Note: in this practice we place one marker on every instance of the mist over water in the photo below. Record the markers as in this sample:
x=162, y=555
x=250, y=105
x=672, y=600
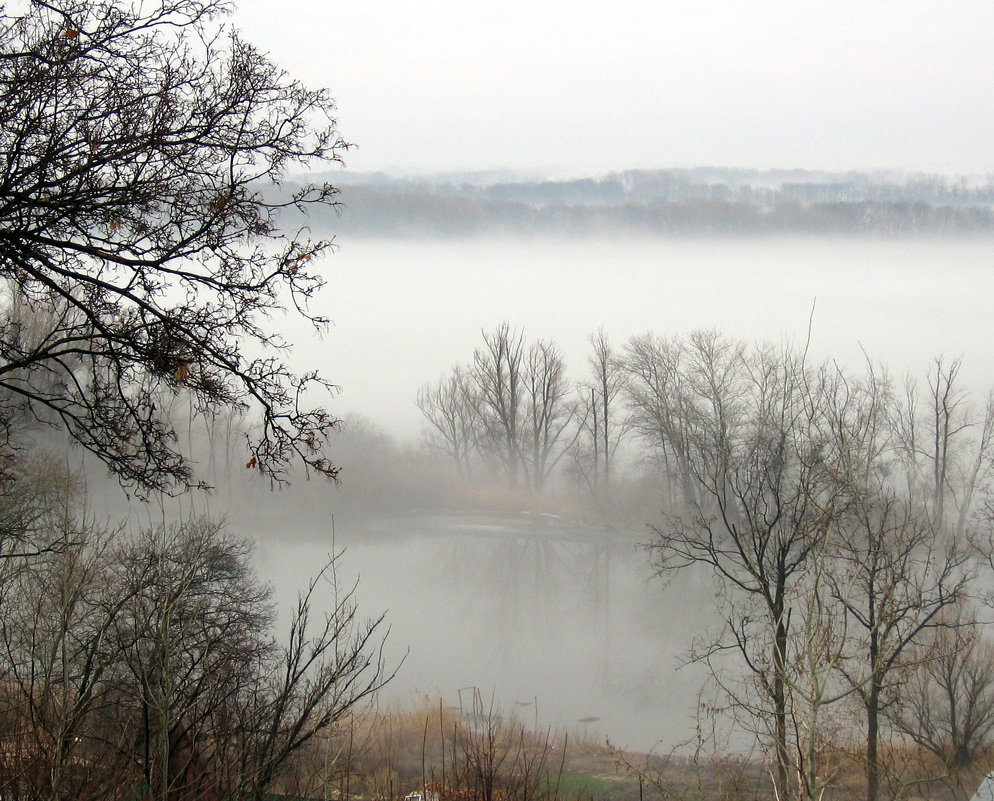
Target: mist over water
x=560, y=622
x=406, y=311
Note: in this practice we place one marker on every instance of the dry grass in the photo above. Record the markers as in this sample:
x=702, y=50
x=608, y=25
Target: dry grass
x=477, y=752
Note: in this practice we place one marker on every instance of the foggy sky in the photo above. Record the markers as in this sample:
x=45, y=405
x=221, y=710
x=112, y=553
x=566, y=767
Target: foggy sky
x=586, y=87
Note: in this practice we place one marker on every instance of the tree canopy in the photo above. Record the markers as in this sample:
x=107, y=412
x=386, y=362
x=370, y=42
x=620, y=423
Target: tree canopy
x=142, y=148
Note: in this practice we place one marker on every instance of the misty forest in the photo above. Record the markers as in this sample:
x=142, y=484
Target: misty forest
x=665, y=484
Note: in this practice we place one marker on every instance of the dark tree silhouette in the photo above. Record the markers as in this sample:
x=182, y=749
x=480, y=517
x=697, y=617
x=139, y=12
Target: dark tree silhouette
x=141, y=152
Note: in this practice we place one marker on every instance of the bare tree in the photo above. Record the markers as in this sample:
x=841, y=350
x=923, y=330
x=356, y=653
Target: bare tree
x=661, y=406
x=522, y=416
x=191, y=640
x=798, y=493
x=217, y=705
x=326, y=670
x=550, y=414
x=141, y=150
x=151, y=661
x=820, y=723
x=946, y=443
x=753, y=513
x=947, y=704
x=498, y=373
x=896, y=568
x=896, y=576
x=55, y=633
x=977, y=467
x=601, y=420
x=451, y=421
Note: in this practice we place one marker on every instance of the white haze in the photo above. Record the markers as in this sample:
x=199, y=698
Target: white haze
x=404, y=312
x=576, y=90
x=584, y=87
x=516, y=608
x=556, y=624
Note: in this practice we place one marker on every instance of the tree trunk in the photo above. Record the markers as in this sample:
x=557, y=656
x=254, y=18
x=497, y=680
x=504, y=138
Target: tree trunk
x=780, y=706
x=872, y=738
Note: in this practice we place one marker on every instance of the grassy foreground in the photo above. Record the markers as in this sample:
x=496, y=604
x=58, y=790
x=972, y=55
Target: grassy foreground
x=475, y=751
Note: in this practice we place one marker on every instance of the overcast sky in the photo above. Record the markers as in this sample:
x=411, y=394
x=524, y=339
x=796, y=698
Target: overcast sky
x=585, y=87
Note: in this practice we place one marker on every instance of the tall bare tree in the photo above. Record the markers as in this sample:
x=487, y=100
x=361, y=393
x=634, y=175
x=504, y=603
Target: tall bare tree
x=947, y=704
x=896, y=575
x=824, y=535
x=601, y=418
x=946, y=443
x=661, y=405
x=896, y=568
x=511, y=407
x=754, y=512
x=151, y=660
x=56, y=631
x=499, y=375
x=549, y=427
x=141, y=152
x=193, y=634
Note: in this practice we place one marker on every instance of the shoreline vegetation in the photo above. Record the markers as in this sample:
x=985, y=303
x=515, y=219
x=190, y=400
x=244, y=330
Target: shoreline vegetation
x=467, y=748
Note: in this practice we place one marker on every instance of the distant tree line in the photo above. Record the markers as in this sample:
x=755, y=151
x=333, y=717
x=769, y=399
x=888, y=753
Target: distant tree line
x=670, y=202
x=760, y=187
x=845, y=519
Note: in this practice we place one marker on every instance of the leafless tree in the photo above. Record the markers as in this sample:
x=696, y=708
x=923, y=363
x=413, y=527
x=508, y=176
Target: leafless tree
x=55, y=633
x=498, y=373
x=661, y=406
x=549, y=429
x=512, y=407
x=191, y=639
x=947, y=704
x=218, y=705
x=820, y=724
x=946, y=444
x=753, y=510
x=141, y=150
x=896, y=575
x=602, y=421
x=797, y=492
x=451, y=422
x=151, y=660
x=897, y=569
x=328, y=668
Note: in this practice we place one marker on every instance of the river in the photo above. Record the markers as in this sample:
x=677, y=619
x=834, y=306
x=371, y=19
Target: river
x=560, y=624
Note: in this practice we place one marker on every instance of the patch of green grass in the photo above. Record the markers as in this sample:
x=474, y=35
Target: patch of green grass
x=579, y=787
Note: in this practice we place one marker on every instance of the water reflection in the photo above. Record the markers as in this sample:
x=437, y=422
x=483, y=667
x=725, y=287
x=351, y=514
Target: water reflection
x=564, y=617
